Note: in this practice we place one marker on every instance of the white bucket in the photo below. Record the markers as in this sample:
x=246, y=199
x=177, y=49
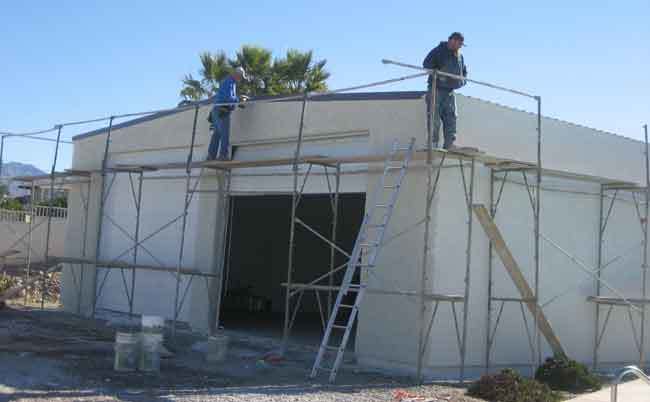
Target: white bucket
x=217, y=348
x=153, y=324
x=126, y=351
x=150, y=352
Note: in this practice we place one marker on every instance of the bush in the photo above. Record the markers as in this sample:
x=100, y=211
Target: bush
x=563, y=374
x=509, y=386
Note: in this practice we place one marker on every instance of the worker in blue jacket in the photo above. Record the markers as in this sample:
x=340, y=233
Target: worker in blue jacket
x=220, y=114
x=445, y=57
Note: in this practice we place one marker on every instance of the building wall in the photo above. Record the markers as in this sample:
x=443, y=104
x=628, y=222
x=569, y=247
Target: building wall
x=336, y=128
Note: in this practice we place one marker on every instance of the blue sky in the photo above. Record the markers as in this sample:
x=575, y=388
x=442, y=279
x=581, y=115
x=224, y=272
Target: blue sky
x=75, y=60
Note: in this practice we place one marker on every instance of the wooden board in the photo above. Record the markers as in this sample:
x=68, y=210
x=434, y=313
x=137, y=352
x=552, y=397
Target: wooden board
x=499, y=244
x=126, y=265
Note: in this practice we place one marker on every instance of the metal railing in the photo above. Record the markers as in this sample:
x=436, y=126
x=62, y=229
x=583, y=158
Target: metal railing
x=7, y=215
x=625, y=372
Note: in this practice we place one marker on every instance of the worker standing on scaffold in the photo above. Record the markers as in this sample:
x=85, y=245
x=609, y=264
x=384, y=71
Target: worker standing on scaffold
x=445, y=57
x=220, y=114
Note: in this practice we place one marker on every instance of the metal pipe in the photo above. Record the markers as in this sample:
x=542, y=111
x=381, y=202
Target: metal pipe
x=637, y=372
x=488, y=341
x=188, y=172
x=335, y=218
x=83, y=244
x=644, y=269
x=537, y=212
x=292, y=226
x=28, y=268
x=432, y=115
x=226, y=205
x=100, y=215
x=599, y=262
x=468, y=262
x=49, y=214
x=136, y=237
x=460, y=77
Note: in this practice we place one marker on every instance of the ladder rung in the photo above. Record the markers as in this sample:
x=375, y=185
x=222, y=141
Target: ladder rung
x=394, y=167
x=376, y=225
x=369, y=245
x=403, y=149
x=395, y=186
x=365, y=265
x=339, y=326
x=381, y=206
x=332, y=348
x=346, y=305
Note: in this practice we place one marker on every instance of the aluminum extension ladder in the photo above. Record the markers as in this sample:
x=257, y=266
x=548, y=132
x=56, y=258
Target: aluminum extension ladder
x=343, y=315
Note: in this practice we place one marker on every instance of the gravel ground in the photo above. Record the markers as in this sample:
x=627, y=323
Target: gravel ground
x=53, y=356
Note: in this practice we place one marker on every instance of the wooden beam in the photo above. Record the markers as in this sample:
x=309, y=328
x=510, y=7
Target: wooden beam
x=126, y=265
x=499, y=244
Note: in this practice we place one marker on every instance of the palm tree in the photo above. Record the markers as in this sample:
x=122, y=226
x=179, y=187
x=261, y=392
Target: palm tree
x=294, y=73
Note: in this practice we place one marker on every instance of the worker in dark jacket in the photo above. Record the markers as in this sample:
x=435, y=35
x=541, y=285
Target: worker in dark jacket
x=445, y=57
x=225, y=101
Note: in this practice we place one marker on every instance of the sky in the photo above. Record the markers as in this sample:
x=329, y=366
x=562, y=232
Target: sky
x=75, y=60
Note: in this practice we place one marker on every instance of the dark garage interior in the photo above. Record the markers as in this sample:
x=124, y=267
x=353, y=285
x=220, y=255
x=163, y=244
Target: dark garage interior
x=257, y=259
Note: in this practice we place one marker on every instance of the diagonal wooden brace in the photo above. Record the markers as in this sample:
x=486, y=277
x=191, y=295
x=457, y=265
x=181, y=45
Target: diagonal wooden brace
x=499, y=244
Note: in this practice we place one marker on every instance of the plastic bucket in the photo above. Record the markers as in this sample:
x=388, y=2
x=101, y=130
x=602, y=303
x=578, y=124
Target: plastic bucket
x=150, y=352
x=153, y=324
x=126, y=351
x=217, y=348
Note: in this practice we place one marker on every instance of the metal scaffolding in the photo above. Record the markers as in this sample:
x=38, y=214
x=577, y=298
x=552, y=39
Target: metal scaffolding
x=612, y=191
x=426, y=299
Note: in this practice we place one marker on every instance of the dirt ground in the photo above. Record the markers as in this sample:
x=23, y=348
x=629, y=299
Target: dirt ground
x=55, y=356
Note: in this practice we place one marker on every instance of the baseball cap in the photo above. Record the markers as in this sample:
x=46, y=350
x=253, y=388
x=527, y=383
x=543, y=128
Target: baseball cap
x=457, y=35
x=242, y=72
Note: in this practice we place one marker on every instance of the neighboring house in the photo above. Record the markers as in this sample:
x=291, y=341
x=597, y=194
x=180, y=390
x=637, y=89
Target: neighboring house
x=362, y=124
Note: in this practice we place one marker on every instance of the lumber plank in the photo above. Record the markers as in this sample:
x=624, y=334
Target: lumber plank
x=509, y=262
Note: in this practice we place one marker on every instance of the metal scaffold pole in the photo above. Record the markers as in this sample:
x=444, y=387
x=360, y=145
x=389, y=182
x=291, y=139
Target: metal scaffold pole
x=488, y=327
x=186, y=202
x=136, y=238
x=468, y=265
x=49, y=214
x=599, y=266
x=28, y=266
x=292, y=227
x=86, y=206
x=225, y=205
x=537, y=211
x=100, y=213
x=335, y=217
x=644, y=268
x=431, y=116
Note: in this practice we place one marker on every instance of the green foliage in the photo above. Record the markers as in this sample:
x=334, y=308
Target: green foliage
x=509, y=386
x=11, y=204
x=6, y=282
x=294, y=73
x=59, y=202
x=563, y=374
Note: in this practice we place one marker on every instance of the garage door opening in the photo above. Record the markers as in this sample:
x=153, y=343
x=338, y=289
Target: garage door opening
x=257, y=260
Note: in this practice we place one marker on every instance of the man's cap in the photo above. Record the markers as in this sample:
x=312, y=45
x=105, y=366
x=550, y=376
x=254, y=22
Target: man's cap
x=457, y=35
x=242, y=72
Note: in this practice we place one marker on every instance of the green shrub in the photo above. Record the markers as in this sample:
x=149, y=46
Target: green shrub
x=563, y=374
x=509, y=386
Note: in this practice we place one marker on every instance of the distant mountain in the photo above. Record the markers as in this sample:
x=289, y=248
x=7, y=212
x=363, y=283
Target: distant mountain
x=12, y=169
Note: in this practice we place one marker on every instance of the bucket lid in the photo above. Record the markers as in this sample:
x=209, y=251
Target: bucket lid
x=126, y=337
x=153, y=321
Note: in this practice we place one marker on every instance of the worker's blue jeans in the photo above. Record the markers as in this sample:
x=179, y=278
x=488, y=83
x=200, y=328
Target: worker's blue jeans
x=220, y=140
x=445, y=113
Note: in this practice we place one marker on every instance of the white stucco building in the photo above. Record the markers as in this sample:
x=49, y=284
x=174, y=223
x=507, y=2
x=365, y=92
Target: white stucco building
x=389, y=325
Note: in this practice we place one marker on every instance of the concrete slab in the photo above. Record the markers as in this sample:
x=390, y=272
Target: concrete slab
x=633, y=391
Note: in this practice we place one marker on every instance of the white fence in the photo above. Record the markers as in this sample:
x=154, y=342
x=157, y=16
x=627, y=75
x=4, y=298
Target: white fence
x=39, y=211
